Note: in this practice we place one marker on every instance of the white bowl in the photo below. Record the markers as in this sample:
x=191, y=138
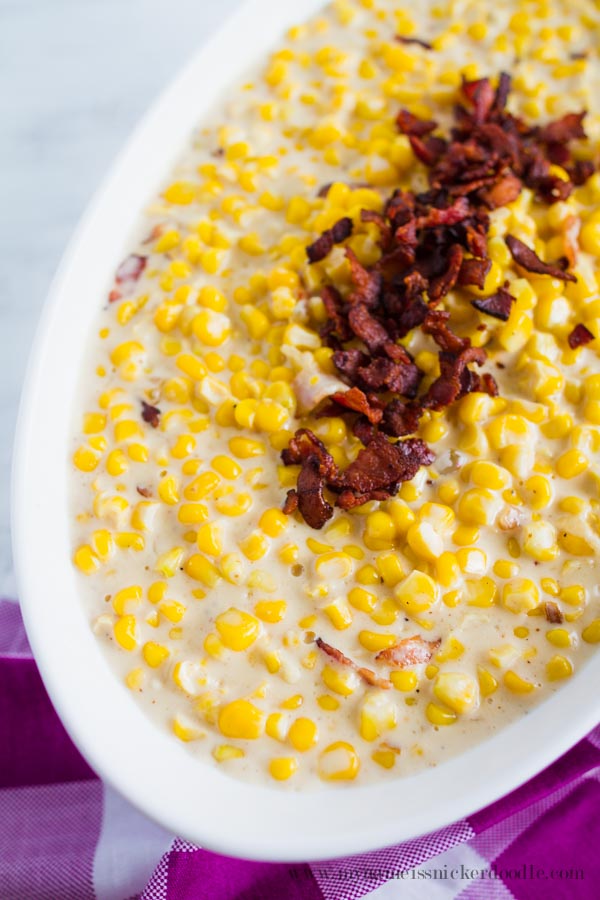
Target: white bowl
x=144, y=763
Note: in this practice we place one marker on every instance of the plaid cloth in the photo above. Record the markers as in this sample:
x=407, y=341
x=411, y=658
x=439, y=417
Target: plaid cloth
x=66, y=836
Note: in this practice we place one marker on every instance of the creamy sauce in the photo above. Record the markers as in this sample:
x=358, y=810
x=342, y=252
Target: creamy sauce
x=226, y=222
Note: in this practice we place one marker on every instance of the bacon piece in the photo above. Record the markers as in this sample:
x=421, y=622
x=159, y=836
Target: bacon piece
x=568, y=128
x=448, y=215
x=579, y=336
x=366, y=674
x=427, y=151
x=412, y=651
x=367, y=284
x=291, y=502
x=552, y=612
x=503, y=192
x=336, y=324
x=150, y=414
x=356, y=400
x=383, y=374
x=454, y=379
x=497, y=305
x=413, y=40
x=320, y=248
x=440, y=286
x=436, y=325
x=381, y=467
x=312, y=505
x=410, y=124
x=399, y=419
x=305, y=444
x=528, y=259
x=481, y=95
x=130, y=269
x=367, y=328
x=474, y=271
x=349, y=361
x=144, y=491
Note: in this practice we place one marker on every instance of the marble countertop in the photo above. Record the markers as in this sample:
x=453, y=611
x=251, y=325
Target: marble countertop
x=75, y=76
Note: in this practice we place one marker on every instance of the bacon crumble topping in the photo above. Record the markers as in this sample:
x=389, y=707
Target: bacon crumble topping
x=431, y=242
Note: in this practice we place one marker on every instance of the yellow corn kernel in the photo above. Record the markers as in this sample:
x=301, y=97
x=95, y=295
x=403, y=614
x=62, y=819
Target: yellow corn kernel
x=379, y=531
x=538, y=491
x=237, y=629
x=270, y=610
x=254, y=546
x=201, y=486
x=465, y=535
x=85, y=459
x=478, y=507
x=516, y=684
x=86, y=560
x=241, y=719
x=574, y=594
x=128, y=540
x=201, y=569
x=192, y=513
x=362, y=599
x=135, y=679
x=339, y=762
x=246, y=448
x=213, y=646
x=488, y=475
x=457, y=690
x=128, y=595
x=333, y=566
x=389, y=566
x=328, y=703
x=273, y=522
x=339, y=614
x=591, y=633
x=447, y=569
x=303, y=734
x=212, y=329
x=283, y=767
x=378, y=714
x=277, y=725
x=404, y=680
x=343, y=682
x=368, y=574
x=209, y=539
x=437, y=715
x=559, y=637
x=541, y=541
x=519, y=595
x=558, y=667
x=225, y=752
x=125, y=631
x=487, y=683
x=416, y=593
x=376, y=641
x=155, y=654
x=571, y=464
x=387, y=613
x=168, y=490
x=424, y=541
x=169, y=562
x=402, y=515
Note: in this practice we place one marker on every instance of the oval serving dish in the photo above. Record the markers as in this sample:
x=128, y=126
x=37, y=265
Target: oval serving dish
x=122, y=744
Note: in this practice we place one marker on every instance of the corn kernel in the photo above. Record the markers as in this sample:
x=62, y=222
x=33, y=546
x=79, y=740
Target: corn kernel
x=339, y=762
x=237, y=629
x=241, y=719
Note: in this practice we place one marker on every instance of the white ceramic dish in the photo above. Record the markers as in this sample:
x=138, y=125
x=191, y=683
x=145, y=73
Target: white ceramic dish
x=147, y=765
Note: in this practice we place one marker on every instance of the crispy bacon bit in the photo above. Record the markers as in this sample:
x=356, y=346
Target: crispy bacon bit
x=291, y=502
x=356, y=400
x=528, y=259
x=319, y=249
x=130, y=269
x=366, y=674
x=430, y=242
x=380, y=468
x=497, y=305
x=313, y=507
x=114, y=295
x=144, y=491
x=552, y=613
x=150, y=414
x=412, y=651
x=579, y=336
x=413, y=40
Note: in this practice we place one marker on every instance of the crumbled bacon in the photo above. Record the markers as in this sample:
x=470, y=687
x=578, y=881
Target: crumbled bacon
x=552, y=612
x=528, y=259
x=319, y=249
x=431, y=242
x=497, y=305
x=144, y=491
x=366, y=674
x=414, y=40
x=150, y=414
x=580, y=335
x=412, y=651
x=130, y=269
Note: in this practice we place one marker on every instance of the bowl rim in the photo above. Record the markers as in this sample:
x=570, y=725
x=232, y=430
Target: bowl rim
x=121, y=743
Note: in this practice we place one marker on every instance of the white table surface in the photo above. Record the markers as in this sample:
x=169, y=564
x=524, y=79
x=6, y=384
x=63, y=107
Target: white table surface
x=75, y=76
